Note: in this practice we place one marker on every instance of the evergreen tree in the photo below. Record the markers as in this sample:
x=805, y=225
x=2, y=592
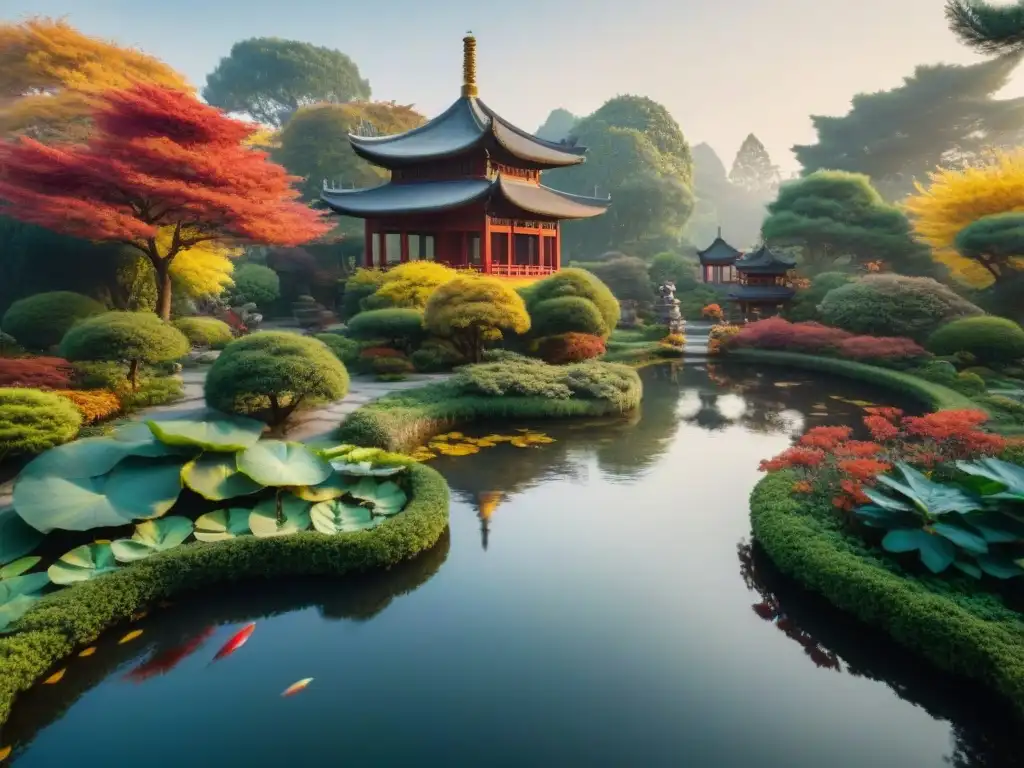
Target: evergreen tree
x=941, y=116
x=753, y=170
x=985, y=27
x=558, y=126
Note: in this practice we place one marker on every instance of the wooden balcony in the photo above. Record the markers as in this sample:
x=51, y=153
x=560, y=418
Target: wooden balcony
x=521, y=270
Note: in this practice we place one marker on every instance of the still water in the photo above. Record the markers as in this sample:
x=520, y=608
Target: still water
x=608, y=611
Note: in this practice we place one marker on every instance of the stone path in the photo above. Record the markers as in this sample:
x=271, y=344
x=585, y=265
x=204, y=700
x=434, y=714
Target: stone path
x=697, y=338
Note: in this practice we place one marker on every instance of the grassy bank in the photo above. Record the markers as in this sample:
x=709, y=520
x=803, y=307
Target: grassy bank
x=73, y=617
x=955, y=625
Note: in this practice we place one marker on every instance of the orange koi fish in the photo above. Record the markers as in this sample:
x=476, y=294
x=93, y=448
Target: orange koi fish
x=294, y=688
x=237, y=641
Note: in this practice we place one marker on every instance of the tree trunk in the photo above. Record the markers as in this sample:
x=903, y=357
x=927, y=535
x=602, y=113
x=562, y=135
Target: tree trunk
x=163, y=288
x=133, y=374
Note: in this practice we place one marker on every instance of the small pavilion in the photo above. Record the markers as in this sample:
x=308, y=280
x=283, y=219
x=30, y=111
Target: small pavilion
x=717, y=262
x=465, y=190
x=764, y=283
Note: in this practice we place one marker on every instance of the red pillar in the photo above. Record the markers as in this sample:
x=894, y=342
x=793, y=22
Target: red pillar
x=368, y=245
x=486, y=245
x=405, y=246
x=463, y=249
x=558, y=247
x=383, y=247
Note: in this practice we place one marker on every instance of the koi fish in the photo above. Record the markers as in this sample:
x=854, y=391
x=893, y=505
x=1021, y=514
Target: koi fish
x=130, y=636
x=5, y=752
x=294, y=688
x=87, y=652
x=237, y=641
x=56, y=677
x=164, y=662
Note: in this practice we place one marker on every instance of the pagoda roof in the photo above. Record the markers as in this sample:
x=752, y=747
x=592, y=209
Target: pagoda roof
x=413, y=198
x=765, y=261
x=466, y=125
x=761, y=293
x=719, y=252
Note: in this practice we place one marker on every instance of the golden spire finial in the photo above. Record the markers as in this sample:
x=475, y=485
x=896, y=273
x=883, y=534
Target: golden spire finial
x=469, y=65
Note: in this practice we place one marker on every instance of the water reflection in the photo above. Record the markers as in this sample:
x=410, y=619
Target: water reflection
x=983, y=733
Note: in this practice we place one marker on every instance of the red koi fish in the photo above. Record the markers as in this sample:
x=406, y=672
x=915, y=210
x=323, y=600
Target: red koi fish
x=164, y=662
x=237, y=641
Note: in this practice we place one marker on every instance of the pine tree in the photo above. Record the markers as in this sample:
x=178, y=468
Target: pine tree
x=985, y=27
x=753, y=170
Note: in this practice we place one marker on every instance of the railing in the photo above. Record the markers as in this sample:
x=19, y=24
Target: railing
x=520, y=270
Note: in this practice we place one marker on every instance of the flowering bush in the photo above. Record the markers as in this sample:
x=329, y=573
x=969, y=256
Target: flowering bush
x=36, y=372
x=675, y=340
x=94, y=405
x=712, y=312
x=373, y=352
x=831, y=464
x=818, y=339
x=881, y=349
x=570, y=348
x=721, y=337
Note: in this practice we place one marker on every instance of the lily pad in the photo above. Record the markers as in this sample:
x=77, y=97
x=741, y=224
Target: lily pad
x=387, y=498
x=94, y=456
x=215, y=477
x=338, y=517
x=333, y=487
x=18, y=595
x=222, y=524
x=82, y=564
x=152, y=536
x=277, y=463
x=225, y=433
x=17, y=537
x=366, y=469
x=263, y=520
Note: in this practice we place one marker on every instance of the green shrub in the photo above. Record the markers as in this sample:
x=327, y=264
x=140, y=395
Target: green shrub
x=361, y=286
x=132, y=337
x=255, y=284
x=969, y=384
x=989, y=339
x=401, y=328
x=804, y=306
x=32, y=421
x=567, y=314
x=9, y=346
x=1003, y=408
x=271, y=373
x=894, y=305
x=437, y=355
x=385, y=366
x=577, y=282
x=205, y=331
x=626, y=277
x=39, y=322
x=344, y=348
x=151, y=391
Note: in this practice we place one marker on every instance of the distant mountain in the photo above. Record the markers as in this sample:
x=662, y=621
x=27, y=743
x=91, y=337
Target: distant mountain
x=558, y=126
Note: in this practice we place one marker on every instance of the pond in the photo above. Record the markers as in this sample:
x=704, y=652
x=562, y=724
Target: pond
x=597, y=602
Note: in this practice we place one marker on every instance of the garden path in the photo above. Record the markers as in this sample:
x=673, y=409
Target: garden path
x=697, y=332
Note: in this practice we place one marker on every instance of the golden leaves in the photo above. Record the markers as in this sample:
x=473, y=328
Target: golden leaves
x=458, y=444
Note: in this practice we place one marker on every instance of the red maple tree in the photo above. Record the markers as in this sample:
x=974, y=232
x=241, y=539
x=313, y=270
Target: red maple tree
x=158, y=160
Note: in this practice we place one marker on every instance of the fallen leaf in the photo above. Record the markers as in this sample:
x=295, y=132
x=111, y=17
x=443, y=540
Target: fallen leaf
x=87, y=652
x=294, y=688
x=56, y=677
x=130, y=636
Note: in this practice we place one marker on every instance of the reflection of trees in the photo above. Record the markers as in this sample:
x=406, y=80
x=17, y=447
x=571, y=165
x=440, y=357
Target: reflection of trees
x=984, y=731
x=173, y=633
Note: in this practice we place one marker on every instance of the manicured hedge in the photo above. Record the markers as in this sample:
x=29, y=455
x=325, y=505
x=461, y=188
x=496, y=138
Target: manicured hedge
x=962, y=630
x=76, y=616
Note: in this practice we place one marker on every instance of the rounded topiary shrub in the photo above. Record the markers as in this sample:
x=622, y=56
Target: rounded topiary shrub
x=344, y=348
x=567, y=314
x=255, y=284
x=399, y=327
x=990, y=339
x=578, y=282
x=570, y=348
x=894, y=305
x=32, y=421
x=269, y=374
x=40, y=322
x=205, y=331
x=130, y=337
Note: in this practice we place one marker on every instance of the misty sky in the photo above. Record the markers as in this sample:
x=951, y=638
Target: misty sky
x=723, y=68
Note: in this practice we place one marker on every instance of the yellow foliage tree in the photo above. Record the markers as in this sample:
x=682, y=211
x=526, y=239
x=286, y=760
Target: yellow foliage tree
x=472, y=309
x=202, y=270
x=410, y=285
x=957, y=198
x=49, y=73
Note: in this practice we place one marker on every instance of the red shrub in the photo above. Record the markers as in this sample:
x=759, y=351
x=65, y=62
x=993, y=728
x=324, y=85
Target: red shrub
x=570, y=348
x=776, y=333
x=880, y=348
x=375, y=352
x=36, y=372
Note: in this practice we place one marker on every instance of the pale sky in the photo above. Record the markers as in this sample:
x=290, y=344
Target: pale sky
x=724, y=68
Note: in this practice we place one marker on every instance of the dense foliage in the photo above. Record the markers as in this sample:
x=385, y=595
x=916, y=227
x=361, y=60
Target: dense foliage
x=991, y=340
x=94, y=404
x=358, y=288
x=39, y=322
x=987, y=27
x=570, y=348
x=409, y=285
x=577, y=282
x=805, y=304
x=402, y=328
x=36, y=372
x=256, y=284
x=32, y=421
x=343, y=348
x=472, y=310
x=627, y=278
x=132, y=337
x=567, y=314
x=205, y=331
x=271, y=373
x=894, y=305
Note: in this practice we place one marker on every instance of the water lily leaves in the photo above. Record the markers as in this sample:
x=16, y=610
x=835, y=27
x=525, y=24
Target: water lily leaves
x=930, y=497
x=17, y=537
x=152, y=536
x=366, y=469
x=333, y=487
x=339, y=517
x=215, y=477
x=83, y=563
x=277, y=463
x=94, y=456
x=937, y=552
x=387, y=498
x=225, y=433
x=222, y=524
x=18, y=595
x=263, y=520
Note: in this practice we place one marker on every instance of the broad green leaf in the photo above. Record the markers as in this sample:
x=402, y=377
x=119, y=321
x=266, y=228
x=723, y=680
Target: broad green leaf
x=888, y=503
x=19, y=567
x=365, y=469
x=144, y=490
x=152, y=536
x=17, y=537
x=15, y=608
x=215, y=477
x=387, y=498
x=937, y=553
x=930, y=497
x=83, y=563
x=338, y=517
x=995, y=527
x=264, y=523
x=225, y=433
x=969, y=568
x=18, y=595
x=903, y=540
x=222, y=524
x=95, y=456
x=333, y=487
x=999, y=567
x=963, y=538
x=1010, y=477
x=878, y=517
x=277, y=463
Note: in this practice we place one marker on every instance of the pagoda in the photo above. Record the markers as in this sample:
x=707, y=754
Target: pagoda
x=717, y=262
x=764, y=283
x=465, y=191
